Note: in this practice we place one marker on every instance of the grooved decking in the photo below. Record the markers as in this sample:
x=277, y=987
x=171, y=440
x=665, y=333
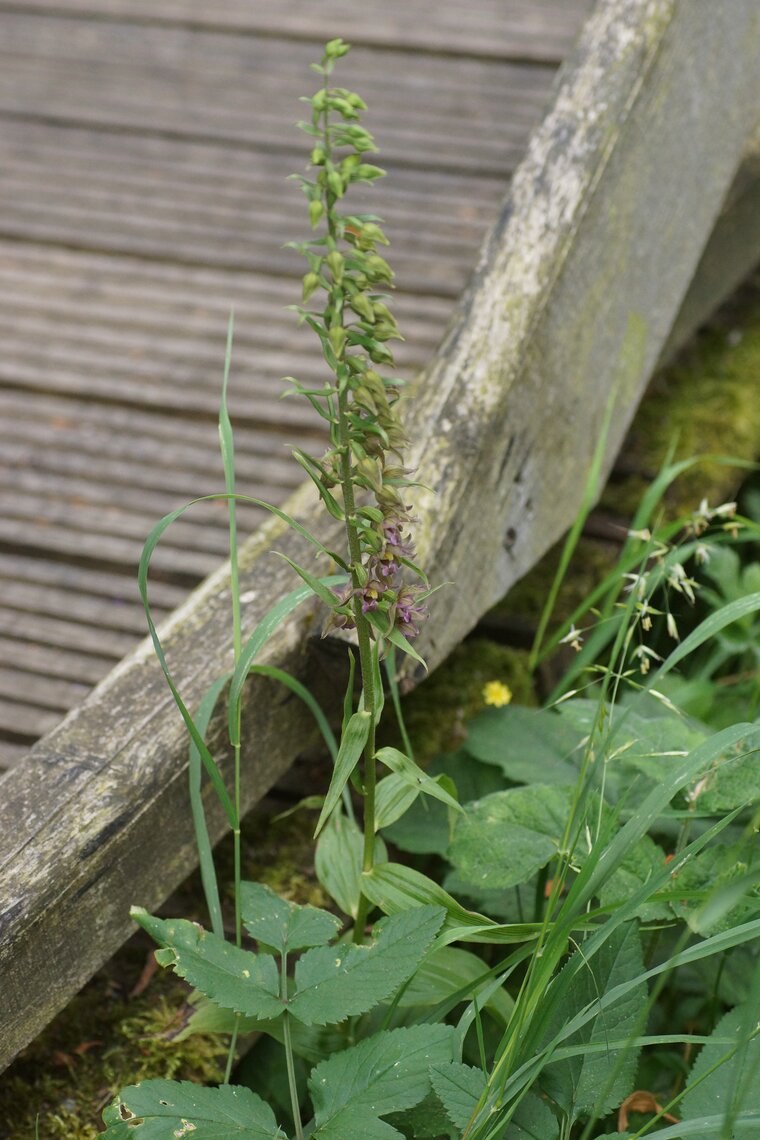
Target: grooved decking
x=144, y=147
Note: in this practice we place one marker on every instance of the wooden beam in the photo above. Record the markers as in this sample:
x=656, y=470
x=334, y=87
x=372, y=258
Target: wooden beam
x=575, y=293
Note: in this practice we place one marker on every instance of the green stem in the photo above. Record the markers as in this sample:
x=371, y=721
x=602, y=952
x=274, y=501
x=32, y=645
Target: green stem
x=288, y=1044
x=355, y=554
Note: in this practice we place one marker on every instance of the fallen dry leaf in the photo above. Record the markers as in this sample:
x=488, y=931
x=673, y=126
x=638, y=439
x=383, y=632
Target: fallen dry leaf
x=641, y=1101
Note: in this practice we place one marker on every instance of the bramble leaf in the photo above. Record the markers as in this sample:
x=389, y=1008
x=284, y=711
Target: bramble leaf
x=597, y=1081
x=284, y=925
x=165, y=1110
x=505, y=838
x=383, y=1074
x=234, y=978
x=335, y=982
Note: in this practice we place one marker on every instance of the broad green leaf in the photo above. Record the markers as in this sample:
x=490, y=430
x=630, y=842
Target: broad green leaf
x=450, y=971
x=735, y=777
x=507, y=837
x=335, y=982
x=237, y=979
x=166, y=1110
x=393, y=796
x=708, y=1093
x=524, y=743
x=597, y=1081
x=338, y=861
x=406, y=768
x=352, y=744
x=284, y=925
x=384, y=1074
x=425, y=1121
x=395, y=887
x=425, y=828
x=725, y=886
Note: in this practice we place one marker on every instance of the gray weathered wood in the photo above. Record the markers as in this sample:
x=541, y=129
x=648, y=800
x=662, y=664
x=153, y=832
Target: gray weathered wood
x=528, y=29
x=575, y=292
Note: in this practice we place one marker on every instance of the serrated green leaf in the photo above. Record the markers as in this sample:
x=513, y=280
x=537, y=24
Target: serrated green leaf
x=166, y=1110
x=352, y=744
x=708, y=1093
x=597, y=1081
x=406, y=768
x=459, y=1088
x=335, y=982
x=505, y=838
x=383, y=1074
x=234, y=978
x=522, y=742
x=282, y=924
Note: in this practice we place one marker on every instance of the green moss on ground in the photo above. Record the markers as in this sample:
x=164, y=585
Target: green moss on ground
x=436, y=712
x=707, y=402
x=102, y=1041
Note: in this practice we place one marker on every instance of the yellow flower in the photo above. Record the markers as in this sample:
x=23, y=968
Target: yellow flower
x=497, y=693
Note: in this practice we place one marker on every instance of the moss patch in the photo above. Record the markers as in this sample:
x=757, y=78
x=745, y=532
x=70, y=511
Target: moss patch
x=437, y=710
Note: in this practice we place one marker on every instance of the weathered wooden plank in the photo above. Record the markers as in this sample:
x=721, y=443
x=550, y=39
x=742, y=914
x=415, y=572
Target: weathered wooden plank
x=732, y=252
x=118, y=588
x=105, y=613
x=11, y=754
x=93, y=548
x=41, y=692
x=180, y=81
x=162, y=197
x=576, y=290
x=25, y=723
x=527, y=29
x=53, y=661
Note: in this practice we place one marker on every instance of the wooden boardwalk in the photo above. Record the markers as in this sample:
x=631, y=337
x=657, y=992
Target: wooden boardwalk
x=144, y=146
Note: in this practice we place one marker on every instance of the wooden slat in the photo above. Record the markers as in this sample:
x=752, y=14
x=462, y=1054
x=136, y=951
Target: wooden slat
x=41, y=692
x=11, y=754
x=163, y=198
x=30, y=656
x=527, y=29
x=118, y=588
x=201, y=85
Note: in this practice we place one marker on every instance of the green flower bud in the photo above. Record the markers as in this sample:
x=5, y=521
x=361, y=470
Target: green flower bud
x=317, y=156
x=336, y=263
x=310, y=283
x=318, y=100
x=372, y=232
x=386, y=330
x=379, y=354
x=357, y=101
x=316, y=211
x=377, y=268
x=369, y=470
x=367, y=172
x=336, y=184
x=337, y=335
x=343, y=107
x=334, y=49
x=362, y=306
